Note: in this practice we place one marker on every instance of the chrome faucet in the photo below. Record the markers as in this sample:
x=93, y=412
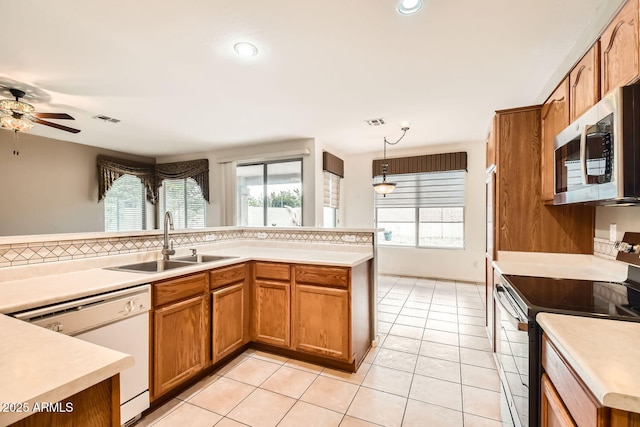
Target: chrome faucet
x=168, y=225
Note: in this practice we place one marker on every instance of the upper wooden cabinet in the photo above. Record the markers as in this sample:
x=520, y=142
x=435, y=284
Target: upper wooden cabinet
x=585, y=83
x=555, y=117
x=620, y=49
x=523, y=222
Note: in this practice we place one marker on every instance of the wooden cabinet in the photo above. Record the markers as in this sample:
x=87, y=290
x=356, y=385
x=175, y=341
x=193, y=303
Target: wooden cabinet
x=555, y=117
x=272, y=307
x=229, y=310
x=567, y=401
x=584, y=80
x=553, y=412
x=321, y=314
x=522, y=221
x=180, y=331
x=620, y=49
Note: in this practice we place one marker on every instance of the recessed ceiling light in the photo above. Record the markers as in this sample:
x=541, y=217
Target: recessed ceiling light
x=245, y=49
x=409, y=7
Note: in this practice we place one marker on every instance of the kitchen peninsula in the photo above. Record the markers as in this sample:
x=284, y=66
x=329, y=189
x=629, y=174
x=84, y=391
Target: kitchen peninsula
x=275, y=292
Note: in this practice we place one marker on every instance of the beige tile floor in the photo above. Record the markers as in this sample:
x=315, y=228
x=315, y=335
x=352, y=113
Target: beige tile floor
x=433, y=367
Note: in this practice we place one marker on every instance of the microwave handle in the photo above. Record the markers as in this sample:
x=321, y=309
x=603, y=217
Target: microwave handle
x=502, y=299
x=583, y=154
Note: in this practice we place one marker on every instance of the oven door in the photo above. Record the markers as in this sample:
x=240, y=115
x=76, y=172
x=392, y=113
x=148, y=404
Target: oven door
x=512, y=351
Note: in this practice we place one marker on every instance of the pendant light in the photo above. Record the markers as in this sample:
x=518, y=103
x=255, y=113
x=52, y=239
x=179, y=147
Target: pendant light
x=385, y=187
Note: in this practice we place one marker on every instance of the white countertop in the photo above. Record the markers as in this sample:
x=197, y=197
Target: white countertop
x=22, y=294
x=606, y=357
x=38, y=365
x=565, y=266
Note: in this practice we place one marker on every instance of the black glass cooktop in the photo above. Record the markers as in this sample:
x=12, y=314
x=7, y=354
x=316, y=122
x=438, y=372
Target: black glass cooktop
x=606, y=299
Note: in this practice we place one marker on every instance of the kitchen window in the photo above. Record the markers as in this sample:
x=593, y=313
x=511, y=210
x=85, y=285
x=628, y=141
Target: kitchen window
x=184, y=199
x=124, y=205
x=331, y=199
x=426, y=210
x=270, y=194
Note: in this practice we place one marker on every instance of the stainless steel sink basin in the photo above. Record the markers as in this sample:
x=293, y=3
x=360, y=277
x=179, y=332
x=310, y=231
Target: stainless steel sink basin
x=153, y=266
x=203, y=258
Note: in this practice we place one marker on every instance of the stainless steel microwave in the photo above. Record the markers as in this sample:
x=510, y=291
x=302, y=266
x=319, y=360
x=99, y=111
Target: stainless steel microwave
x=597, y=157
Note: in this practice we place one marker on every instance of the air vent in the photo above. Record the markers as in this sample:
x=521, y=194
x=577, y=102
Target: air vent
x=375, y=122
x=107, y=119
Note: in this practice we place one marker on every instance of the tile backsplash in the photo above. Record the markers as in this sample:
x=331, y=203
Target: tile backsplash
x=603, y=248
x=61, y=249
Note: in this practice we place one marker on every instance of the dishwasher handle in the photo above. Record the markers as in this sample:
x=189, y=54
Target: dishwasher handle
x=503, y=299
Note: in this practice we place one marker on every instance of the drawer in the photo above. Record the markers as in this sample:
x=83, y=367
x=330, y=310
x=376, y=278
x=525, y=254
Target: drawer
x=270, y=270
x=179, y=289
x=581, y=404
x=227, y=275
x=318, y=275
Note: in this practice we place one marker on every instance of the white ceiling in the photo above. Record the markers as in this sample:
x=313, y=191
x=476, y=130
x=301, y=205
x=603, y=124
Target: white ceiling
x=167, y=69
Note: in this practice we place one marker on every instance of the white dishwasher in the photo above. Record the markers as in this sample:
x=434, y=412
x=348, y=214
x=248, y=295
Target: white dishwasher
x=117, y=320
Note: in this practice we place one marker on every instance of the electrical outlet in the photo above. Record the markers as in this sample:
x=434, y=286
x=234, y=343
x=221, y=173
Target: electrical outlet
x=262, y=235
x=612, y=232
x=210, y=237
x=349, y=238
x=475, y=264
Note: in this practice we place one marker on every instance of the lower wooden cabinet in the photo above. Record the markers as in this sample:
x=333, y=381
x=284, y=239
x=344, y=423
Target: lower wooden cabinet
x=180, y=333
x=553, y=412
x=179, y=343
x=228, y=320
x=272, y=311
x=321, y=321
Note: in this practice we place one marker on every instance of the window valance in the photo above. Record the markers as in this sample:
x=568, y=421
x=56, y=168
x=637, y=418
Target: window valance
x=196, y=169
x=420, y=164
x=111, y=168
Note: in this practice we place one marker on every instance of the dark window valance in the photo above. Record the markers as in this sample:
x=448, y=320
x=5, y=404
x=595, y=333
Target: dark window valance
x=196, y=169
x=427, y=163
x=333, y=164
x=111, y=168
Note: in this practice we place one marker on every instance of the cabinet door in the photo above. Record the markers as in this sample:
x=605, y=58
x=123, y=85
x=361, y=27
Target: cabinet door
x=555, y=117
x=179, y=343
x=585, y=83
x=553, y=413
x=619, y=49
x=228, y=320
x=321, y=321
x=272, y=312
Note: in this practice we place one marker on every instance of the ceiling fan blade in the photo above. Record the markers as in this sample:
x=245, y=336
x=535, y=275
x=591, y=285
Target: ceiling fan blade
x=55, y=125
x=58, y=116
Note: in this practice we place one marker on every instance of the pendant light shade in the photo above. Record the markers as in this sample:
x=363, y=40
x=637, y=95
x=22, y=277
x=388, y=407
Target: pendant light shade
x=385, y=187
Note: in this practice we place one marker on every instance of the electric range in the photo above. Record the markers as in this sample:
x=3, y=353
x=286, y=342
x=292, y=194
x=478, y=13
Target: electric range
x=518, y=336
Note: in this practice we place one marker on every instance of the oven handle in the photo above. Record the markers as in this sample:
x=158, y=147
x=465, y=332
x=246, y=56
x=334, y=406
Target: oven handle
x=507, y=306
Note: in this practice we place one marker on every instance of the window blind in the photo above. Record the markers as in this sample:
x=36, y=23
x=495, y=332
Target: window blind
x=183, y=198
x=124, y=205
x=423, y=190
x=331, y=193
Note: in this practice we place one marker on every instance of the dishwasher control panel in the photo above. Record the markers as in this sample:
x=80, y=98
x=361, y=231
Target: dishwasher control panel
x=82, y=315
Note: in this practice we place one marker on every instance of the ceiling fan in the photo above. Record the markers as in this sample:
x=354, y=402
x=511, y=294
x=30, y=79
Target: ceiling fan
x=19, y=116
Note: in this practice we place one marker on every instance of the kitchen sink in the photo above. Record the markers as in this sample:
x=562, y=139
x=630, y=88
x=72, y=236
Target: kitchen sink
x=161, y=265
x=202, y=258
x=153, y=266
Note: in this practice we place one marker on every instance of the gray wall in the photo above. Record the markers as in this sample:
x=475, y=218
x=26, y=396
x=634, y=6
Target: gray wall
x=51, y=187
